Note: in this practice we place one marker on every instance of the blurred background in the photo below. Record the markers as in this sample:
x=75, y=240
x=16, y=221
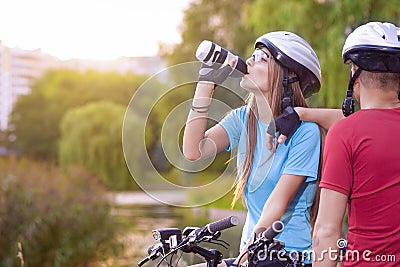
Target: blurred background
x=68, y=70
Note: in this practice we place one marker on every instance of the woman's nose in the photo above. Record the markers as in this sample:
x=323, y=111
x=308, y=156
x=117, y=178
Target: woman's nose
x=250, y=61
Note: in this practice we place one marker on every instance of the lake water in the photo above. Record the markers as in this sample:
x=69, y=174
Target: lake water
x=141, y=218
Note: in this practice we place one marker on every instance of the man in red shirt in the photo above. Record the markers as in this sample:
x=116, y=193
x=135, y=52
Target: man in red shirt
x=361, y=164
x=361, y=167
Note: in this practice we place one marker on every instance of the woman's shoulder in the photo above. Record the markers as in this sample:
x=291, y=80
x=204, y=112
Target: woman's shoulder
x=234, y=116
x=239, y=112
x=241, y=109
x=307, y=130
x=308, y=126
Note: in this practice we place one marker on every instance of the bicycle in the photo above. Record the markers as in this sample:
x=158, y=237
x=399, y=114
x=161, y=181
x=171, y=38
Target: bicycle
x=172, y=240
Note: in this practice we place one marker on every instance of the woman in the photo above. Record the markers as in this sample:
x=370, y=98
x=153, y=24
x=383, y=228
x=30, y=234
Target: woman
x=282, y=71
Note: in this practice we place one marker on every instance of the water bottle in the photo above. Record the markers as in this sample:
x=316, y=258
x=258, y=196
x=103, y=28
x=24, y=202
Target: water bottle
x=210, y=53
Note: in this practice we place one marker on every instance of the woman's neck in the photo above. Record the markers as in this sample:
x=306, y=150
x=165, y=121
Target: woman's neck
x=263, y=108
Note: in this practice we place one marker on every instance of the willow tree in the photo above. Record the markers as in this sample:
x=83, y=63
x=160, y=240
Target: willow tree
x=91, y=136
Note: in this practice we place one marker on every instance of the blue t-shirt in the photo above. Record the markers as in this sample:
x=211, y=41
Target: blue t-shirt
x=300, y=156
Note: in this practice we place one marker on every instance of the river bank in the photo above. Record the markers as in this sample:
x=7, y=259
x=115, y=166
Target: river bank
x=142, y=198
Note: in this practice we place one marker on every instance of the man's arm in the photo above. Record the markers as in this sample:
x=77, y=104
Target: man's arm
x=323, y=117
x=328, y=227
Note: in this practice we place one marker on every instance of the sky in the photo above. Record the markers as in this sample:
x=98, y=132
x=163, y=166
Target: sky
x=91, y=29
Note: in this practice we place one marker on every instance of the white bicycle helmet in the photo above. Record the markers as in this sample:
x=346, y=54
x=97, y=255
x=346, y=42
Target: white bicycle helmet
x=374, y=46
x=294, y=53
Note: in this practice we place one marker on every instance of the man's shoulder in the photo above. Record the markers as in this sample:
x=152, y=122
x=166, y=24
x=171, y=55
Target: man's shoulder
x=347, y=123
x=344, y=130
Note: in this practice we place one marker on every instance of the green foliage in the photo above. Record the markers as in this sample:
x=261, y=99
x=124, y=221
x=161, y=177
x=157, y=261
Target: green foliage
x=50, y=212
x=35, y=127
x=91, y=137
x=36, y=117
x=325, y=25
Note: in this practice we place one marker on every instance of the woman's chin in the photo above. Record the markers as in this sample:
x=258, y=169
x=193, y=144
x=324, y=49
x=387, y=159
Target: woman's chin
x=246, y=84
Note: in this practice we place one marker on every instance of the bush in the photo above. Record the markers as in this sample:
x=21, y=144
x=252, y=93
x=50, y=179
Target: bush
x=61, y=217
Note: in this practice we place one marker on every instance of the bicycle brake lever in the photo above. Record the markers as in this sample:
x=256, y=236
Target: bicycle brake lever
x=219, y=243
x=222, y=241
x=216, y=235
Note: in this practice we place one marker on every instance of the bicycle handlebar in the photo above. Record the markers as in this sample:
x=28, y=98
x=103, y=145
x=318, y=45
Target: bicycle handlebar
x=276, y=228
x=211, y=228
x=222, y=224
x=153, y=251
x=173, y=240
x=188, y=244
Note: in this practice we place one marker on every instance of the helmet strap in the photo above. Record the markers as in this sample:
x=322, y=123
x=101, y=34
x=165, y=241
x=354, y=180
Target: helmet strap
x=287, y=89
x=348, y=102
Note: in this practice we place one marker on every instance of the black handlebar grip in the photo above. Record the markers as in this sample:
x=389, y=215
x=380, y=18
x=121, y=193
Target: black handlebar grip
x=222, y=224
x=273, y=230
x=143, y=261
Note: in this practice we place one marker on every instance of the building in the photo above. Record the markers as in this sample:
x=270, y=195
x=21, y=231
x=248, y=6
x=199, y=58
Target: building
x=19, y=68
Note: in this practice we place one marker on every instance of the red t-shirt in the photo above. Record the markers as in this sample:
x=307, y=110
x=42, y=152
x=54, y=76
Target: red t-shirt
x=362, y=161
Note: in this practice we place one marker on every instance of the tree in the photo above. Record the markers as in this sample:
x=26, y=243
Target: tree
x=35, y=126
x=91, y=137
